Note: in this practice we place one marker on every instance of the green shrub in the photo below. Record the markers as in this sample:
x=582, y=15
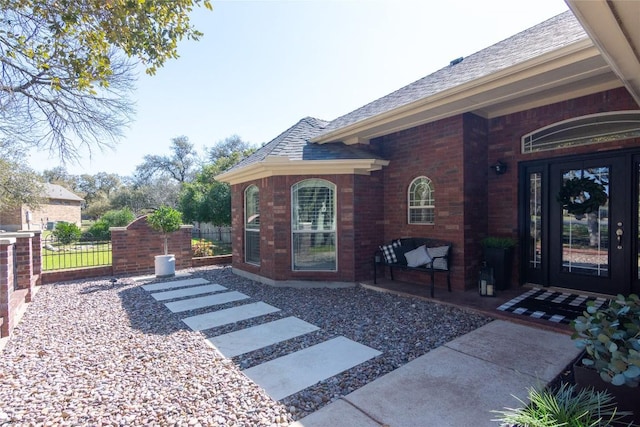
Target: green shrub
x=565, y=406
x=202, y=248
x=67, y=233
x=118, y=218
x=611, y=337
x=115, y=218
x=99, y=231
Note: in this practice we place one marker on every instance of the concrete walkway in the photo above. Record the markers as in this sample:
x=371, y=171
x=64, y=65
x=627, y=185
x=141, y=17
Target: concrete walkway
x=280, y=377
x=457, y=384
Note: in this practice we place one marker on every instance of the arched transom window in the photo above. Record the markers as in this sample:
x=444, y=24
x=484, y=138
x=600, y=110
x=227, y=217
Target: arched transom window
x=313, y=225
x=421, y=201
x=252, y=225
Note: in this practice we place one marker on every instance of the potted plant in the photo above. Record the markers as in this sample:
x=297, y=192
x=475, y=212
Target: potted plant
x=610, y=337
x=166, y=220
x=498, y=254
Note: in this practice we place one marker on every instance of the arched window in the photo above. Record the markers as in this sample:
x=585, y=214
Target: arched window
x=421, y=201
x=313, y=225
x=252, y=225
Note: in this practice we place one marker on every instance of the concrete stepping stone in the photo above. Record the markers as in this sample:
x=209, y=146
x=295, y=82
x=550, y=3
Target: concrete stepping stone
x=228, y=315
x=175, y=284
x=255, y=337
x=187, y=292
x=206, y=301
x=294, y=372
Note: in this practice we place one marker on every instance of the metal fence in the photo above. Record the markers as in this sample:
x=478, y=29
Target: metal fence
x=83, y=253
x=211, y=241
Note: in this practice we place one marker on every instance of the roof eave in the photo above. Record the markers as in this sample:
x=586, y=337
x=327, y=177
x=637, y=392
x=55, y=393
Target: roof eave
x=511, y=87
x=283, y=166
x=614, y=27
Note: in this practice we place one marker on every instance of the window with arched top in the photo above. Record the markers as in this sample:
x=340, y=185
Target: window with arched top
x=252, y=225
x=313, y=225
x=421, y=201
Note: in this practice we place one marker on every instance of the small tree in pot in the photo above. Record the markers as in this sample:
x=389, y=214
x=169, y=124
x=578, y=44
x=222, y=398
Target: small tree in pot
x=166, y=220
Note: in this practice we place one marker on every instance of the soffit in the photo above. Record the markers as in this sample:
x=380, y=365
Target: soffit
x=283, y=166
x=614, y=27
x=569, y=72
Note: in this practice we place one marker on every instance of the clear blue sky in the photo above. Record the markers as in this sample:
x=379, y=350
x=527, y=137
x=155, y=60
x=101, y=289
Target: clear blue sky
x=263, y=65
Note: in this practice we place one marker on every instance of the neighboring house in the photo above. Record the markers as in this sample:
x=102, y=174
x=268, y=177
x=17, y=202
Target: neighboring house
x=558, y=105
x=59, y=204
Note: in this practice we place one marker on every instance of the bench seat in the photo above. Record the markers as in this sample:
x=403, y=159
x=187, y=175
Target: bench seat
x=439, y=251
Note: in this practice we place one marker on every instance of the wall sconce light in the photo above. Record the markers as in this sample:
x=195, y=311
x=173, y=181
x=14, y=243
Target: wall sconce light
x=500, y=167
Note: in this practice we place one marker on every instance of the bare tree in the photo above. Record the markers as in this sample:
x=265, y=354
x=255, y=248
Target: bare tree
x=178, y=166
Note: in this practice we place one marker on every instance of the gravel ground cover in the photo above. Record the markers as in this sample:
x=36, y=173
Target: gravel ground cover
x=102, y=354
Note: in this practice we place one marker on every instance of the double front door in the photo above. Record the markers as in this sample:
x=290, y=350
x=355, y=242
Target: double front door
x=581, y=217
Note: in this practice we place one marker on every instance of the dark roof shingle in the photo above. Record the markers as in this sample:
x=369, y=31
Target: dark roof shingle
x=557, y=32
x=294, y=144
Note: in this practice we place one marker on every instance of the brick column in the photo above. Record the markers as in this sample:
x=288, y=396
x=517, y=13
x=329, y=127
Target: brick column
x=7, y=246
x=25, y=259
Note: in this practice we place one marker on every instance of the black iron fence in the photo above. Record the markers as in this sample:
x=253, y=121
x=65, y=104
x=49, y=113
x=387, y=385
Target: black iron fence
x=83, y=253
x=211, y=241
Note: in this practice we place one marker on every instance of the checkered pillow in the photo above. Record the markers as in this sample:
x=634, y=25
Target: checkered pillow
x=389, y=253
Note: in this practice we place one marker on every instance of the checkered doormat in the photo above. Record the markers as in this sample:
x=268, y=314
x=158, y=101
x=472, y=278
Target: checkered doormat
x=556, y=307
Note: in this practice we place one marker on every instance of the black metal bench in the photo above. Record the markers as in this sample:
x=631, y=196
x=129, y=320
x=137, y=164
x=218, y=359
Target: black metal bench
x=440, y=255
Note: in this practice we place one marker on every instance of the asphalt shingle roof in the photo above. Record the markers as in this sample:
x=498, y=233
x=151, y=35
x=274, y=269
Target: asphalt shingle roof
x=294, y=144
x=557, y=32
x=54, y=191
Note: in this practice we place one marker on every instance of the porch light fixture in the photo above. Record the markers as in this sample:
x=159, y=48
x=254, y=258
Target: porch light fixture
x=499, y=167
x=486, y=282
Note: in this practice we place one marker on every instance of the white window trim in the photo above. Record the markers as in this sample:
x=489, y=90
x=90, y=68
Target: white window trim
x=248, y=229
x=333, y=229
x=410, y=208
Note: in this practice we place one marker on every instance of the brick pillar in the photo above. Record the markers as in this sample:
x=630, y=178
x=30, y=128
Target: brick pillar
x=25, y=259
x=7, y=246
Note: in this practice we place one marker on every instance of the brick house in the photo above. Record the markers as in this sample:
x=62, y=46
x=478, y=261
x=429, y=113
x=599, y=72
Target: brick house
x=557, y=105
x=59, y=204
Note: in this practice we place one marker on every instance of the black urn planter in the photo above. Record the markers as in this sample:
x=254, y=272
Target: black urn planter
x=626, y=398
x=501, y=260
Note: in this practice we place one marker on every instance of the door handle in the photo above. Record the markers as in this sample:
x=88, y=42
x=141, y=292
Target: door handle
x=619, y=233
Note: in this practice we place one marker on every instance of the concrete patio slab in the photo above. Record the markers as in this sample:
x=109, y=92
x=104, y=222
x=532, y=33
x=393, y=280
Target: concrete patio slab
x=174, y=284
x=289, y=374
x=459, y=383
x=228, y=315
x=206, y=301
x=339, y=414
x=255, y=337
x=443, y=387
x=535, y=352
x=187, y=292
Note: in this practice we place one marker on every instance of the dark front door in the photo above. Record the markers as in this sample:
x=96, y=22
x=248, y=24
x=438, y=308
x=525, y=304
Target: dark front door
x=582, y=217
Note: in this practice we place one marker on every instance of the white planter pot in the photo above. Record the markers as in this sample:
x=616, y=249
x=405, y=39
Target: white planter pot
x=165, y=265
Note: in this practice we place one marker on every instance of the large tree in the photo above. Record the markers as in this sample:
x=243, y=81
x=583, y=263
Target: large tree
x=178, y=166
x=18, y=183
x=208, y=200
x=64, y=65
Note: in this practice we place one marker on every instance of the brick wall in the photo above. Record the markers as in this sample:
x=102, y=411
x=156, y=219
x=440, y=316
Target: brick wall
x=136, y=245
x=19, y=252
x=354, y=238
x=7, y=247
x=435, y=150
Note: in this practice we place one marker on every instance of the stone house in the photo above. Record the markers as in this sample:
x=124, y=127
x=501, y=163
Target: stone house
x=59, y=204
x=536, y=138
